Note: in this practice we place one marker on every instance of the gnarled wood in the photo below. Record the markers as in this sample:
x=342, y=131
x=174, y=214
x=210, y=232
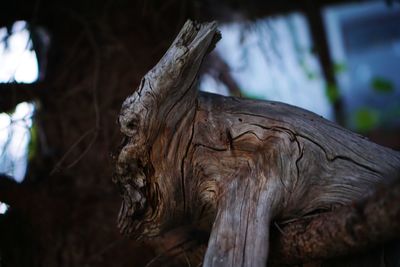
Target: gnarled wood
x=349, y=229
x=232, y=163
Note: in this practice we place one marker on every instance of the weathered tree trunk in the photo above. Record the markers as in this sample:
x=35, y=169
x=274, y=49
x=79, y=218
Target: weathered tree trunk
x=237, y=164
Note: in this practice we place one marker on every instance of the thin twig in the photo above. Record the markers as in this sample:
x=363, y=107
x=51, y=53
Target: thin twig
x=279, y=228
x=105, y=249
x=80, y=139
x=96, y=71
x=179, y=245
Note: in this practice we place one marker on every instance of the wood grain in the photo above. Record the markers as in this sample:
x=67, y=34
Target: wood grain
x=234, y=164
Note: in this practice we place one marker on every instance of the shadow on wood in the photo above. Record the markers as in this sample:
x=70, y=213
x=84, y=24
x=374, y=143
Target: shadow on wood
x=232, y=165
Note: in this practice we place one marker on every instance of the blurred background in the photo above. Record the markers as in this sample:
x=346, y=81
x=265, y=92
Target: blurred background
x=66, y=67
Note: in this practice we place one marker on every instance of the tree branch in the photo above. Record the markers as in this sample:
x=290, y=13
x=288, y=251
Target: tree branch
x=14, y=93
x=220, y=70
x=246, y=161
x=318, y=33
x=345, y=231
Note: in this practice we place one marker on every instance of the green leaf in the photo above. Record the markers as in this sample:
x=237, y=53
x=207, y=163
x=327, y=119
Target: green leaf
x=332, y=92
x=339, y=68
x=311, y=75
x=33, y=142
x=247, y=94
x=382, y=85
x=366, y=119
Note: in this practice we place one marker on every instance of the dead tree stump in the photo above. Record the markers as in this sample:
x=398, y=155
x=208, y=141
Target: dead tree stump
x=236, y=164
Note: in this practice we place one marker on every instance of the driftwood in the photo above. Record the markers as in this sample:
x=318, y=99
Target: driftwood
x=233, y=164
x=350, y=229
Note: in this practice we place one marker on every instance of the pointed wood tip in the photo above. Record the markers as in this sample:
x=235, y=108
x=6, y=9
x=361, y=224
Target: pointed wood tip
x=195, y=35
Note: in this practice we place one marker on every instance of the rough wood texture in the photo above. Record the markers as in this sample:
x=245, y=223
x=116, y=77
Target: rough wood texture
x=232, y=164
x=350, y=229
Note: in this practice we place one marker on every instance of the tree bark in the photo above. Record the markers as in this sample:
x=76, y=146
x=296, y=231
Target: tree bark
x=242, y=218
x=350, y=229
x=235, y=163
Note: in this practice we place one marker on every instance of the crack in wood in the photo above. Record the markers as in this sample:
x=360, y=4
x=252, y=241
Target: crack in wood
x=235, y=163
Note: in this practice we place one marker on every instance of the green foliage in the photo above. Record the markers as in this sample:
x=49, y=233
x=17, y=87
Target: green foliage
x=332, y=92
x=366, y=119
x=247, y=94
x=33, y=142
x=382, y=85
x=339, y=68
x=310, y=74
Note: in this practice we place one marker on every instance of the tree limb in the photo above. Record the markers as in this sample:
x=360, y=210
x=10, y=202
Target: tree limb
x=240, y=218
x=190, y=156
x=348, y=230
x=220, y=70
